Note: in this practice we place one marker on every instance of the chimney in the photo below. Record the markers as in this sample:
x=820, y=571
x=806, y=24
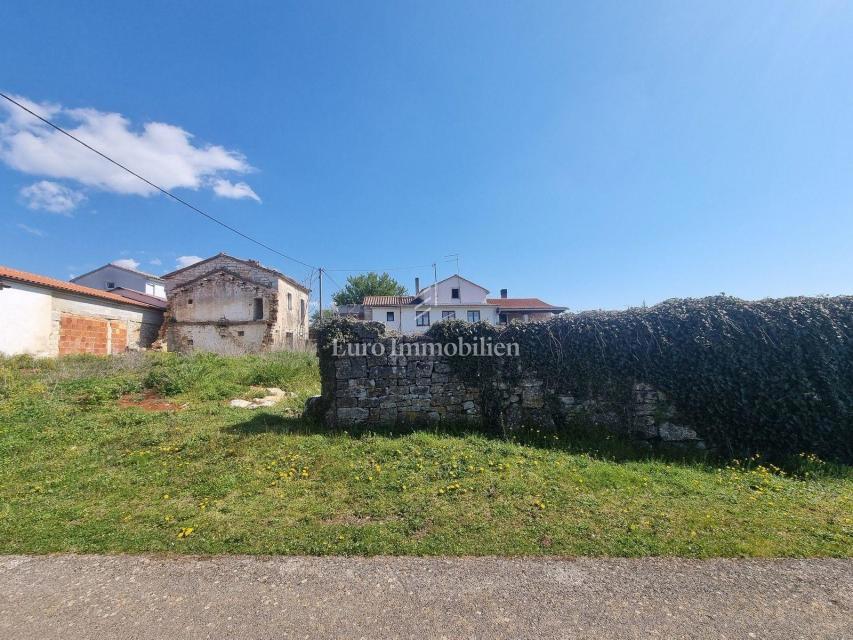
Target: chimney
x=417, y=285
x=503, y=293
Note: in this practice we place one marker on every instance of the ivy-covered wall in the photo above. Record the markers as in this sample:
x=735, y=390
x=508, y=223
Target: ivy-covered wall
x=772, y=376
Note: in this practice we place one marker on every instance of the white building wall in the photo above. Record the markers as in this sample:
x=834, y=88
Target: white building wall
x=469, y=293
x=292, y=312
x=25, y=320
x=30, y=318
x=121, y=278
x=405, y=317
x=224, y=340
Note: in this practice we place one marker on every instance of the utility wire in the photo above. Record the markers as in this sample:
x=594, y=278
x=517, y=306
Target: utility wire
x=334, y=282
x=199, y=211
x=417, y=266
x=158, y=187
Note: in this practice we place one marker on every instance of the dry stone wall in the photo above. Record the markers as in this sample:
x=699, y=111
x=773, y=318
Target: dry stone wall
x=374, y=379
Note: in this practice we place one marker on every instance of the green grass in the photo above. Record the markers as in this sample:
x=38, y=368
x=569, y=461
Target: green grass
x=80, y=473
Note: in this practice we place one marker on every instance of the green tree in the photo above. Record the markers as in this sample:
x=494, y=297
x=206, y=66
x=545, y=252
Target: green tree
x=315, y=317
x=368, y=284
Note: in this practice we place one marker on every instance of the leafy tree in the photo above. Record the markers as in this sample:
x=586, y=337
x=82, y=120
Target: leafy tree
x=327, y=313
x=368, y=284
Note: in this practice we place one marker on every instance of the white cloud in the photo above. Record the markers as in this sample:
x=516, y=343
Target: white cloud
x=31, y=230
x=185, y=261
x=227, y=189
x=51, y=196
x=163, y=153
x=155, y=261
x=127, y=263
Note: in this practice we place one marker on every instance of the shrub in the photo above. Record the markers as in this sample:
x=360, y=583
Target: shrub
x=282, y=369
x=204, y=374
x=771, y=376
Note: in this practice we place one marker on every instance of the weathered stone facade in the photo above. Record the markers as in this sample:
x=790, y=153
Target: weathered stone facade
x=383, y=385
x=231, y=306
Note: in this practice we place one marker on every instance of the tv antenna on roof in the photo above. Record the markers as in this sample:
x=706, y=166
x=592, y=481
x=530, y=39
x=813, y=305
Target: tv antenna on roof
x=456, y=257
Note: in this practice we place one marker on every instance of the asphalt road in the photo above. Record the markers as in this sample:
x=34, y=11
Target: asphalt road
x=72, y=597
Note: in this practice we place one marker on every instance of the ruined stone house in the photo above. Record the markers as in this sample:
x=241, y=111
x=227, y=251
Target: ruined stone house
x=231, y=306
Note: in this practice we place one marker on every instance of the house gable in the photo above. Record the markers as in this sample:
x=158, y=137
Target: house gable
x=248, y=268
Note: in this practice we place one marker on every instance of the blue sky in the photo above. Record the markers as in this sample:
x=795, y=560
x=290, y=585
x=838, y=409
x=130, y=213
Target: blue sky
x=596, y=155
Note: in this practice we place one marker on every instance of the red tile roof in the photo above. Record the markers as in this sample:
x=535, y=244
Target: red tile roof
x=523, y=304
x=61, y=285
x=387, y=301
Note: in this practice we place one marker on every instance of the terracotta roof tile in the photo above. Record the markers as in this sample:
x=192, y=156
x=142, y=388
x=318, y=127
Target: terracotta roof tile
x=387, y=301
x=533, y=304
x=61, y=285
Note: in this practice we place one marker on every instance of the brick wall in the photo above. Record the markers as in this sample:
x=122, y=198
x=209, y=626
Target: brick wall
x=79, y=334
x=118, y=331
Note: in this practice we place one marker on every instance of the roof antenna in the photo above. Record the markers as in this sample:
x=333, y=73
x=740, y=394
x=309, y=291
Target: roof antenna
x=454, y=255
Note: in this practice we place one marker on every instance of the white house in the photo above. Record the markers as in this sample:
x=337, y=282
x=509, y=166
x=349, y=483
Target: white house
x=453, y=298
x=43, y=316
x=112, y=276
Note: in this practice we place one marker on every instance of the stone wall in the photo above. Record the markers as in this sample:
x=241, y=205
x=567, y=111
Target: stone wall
x=212, y=308
x=389, y=382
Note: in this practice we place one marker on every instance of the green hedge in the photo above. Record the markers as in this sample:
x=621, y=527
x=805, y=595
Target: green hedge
x=773, y=376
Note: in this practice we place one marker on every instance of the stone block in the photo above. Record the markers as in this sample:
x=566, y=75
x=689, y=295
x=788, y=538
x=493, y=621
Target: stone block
x=352, y=415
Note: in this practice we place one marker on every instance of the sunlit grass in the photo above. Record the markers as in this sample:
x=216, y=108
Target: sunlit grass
x=79, y=473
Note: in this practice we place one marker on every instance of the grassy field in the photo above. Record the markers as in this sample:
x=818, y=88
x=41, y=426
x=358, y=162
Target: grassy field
x=141, y=453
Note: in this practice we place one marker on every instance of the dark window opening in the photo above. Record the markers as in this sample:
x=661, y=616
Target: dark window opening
x=290, y=302
x=502, y=318
x=422, y=319
x=448, y=315
x=111, y=285
x=259, y=309
x=301, y=309
x=473, y=316
x=454, y=293
x=190, y=301
x=389, y=316
x=241, y=333
x=190, y=341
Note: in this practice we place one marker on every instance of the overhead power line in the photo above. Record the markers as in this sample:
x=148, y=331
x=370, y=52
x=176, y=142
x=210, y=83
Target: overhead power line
x=180, y=200
x=417, y=266
x=334, y=282
x=156, y=186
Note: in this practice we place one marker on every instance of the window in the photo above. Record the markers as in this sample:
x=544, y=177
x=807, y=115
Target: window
x=454, y=293
x=190, y=342
x=473, y=316
x=259, y=309
x=149, y=289
x=289, y=302
x=111, y=285
x=448, y=315
x=389, y=316
x=502, y=318
x=189, y=300
x=301, y=309
x=241, y=333
x=422, y=319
